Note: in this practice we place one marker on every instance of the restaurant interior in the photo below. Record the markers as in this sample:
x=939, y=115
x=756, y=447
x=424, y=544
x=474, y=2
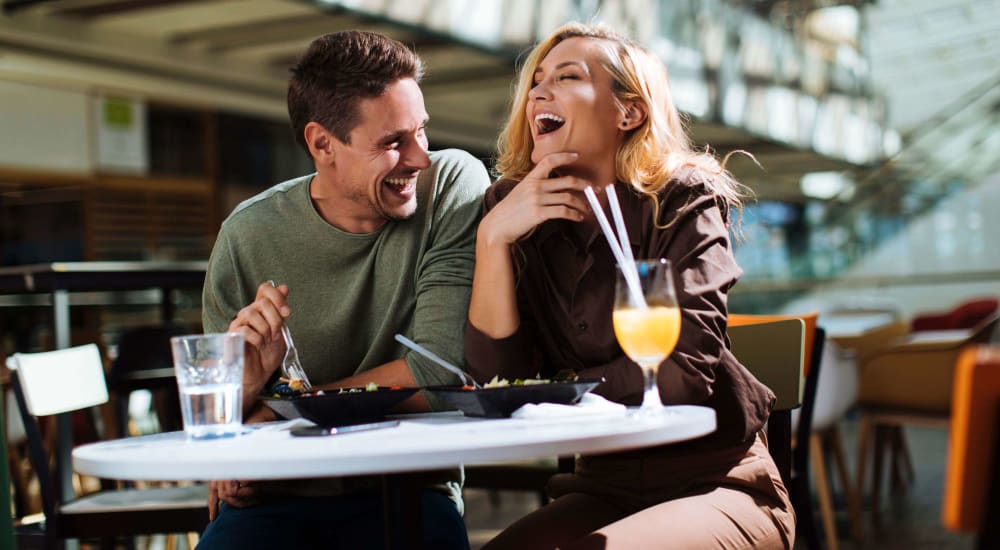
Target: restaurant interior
x=129, y=129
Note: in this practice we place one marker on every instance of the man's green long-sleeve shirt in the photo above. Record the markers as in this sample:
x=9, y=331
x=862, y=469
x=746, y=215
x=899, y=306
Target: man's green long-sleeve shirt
x=351, y=293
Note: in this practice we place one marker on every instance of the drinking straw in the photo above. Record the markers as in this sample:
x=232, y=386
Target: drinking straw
x=616, y=213
x=628, y=268
x=626, y=245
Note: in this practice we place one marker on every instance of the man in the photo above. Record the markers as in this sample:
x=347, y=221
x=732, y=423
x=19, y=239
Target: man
x=378, y=241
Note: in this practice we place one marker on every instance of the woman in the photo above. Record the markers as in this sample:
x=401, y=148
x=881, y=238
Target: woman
x=593, y=108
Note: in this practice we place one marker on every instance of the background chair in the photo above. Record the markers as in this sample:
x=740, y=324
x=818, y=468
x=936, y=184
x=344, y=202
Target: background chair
x=967, y=314
x=774, y=352
x=906, y=383
x=836, y=394
x=16, y=455
x=972, y=478
x=6, y=526
x=144, y=362
x=857, y=349
x=73, y=379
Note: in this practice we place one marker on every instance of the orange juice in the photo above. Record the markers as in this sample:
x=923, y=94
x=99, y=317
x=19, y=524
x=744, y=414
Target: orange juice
x=648, y=335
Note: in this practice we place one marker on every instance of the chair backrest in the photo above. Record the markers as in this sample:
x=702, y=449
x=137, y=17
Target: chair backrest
x=142, y=350
x=968, y=314
x=972, y=482
x=773, y=351
x=55, y=382
x=982, y=332
x=810, y=319
x=146, y=347
x=61, y=381
x=971, y=313
x=837, y=387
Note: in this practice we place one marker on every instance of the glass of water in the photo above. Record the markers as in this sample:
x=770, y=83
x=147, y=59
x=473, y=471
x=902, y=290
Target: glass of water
x=209, y=370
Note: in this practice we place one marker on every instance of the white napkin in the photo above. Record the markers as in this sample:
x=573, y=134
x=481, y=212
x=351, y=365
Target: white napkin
x=590, y=404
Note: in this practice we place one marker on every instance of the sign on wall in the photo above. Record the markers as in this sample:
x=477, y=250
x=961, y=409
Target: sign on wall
x=121, y=134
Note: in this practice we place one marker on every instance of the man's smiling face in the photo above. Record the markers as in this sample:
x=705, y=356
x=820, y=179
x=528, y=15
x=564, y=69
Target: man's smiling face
x=376, y=172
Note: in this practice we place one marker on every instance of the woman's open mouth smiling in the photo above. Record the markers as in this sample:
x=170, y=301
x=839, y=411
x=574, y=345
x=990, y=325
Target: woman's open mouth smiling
x=546, y=123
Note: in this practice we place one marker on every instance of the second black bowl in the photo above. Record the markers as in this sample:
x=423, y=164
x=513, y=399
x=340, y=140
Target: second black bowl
x=500, y=402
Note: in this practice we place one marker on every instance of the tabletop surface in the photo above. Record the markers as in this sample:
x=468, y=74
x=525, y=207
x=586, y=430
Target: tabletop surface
x=420, y=442
x=105, y=267
x=854, y=324
x=100, y=275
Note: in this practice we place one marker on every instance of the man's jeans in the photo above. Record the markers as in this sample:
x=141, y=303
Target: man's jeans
x=346, y=522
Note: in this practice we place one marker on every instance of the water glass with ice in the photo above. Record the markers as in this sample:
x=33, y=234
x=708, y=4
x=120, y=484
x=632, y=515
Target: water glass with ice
x=209, y=369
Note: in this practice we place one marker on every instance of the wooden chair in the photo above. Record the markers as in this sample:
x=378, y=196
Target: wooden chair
x=72, y=379
x=906, y=383
x=773, y=348
x=972, y=479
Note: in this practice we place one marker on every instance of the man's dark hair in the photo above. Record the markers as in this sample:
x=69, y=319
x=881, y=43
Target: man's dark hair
x=337, y=71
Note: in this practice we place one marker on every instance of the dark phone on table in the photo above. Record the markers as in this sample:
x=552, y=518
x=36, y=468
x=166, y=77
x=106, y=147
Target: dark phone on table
x=313, y=431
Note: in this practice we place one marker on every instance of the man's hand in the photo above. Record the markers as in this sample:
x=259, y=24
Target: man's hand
x=260, y=323
x=239, y=494
x=535, y=199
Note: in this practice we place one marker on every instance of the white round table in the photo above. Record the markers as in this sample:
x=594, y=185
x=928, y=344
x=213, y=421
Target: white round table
x=420, y=442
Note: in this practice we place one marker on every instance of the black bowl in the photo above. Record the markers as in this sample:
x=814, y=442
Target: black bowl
x=500, y=402
x=338, y=409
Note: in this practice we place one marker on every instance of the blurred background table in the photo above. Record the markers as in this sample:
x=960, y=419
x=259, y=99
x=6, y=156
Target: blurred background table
x=59, y=279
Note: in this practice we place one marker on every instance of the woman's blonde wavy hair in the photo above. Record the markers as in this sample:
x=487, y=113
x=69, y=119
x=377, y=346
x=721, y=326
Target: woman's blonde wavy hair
x=651, y=153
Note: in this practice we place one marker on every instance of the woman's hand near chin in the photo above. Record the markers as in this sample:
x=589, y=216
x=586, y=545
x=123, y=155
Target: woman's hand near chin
x=535, y=199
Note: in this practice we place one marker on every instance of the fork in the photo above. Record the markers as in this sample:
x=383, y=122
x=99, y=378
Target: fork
x=290, y=365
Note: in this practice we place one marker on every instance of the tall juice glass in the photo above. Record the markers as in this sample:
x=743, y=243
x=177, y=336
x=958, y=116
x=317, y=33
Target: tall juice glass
x=648, y=332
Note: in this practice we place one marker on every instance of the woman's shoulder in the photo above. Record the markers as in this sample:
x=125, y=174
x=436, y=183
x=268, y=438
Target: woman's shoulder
x=687, y=183
x=690, y=190
x=691, y=180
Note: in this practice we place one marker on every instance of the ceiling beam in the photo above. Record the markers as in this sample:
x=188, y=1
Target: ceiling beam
x=76, y=41
x=11, y=6
x=113, y=7
x=257, y=32
x=488, y=77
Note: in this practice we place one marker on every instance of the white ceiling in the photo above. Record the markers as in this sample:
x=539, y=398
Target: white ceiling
x=926, y=54
x=938, y=64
